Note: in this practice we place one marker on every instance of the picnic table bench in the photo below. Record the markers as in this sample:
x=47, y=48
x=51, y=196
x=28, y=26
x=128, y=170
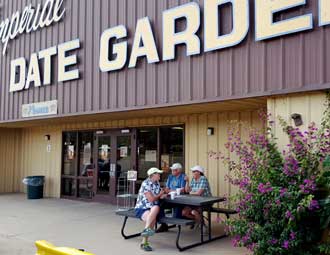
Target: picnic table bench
x=224, y=211
x=205, y=203
x=175, y=222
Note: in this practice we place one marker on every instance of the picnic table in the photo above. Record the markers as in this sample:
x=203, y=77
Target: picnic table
x=206, y=205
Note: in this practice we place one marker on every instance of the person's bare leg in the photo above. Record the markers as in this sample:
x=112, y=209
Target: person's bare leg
x=144, y=218
x=186, y=212
x=152, y=216
x=197, y=216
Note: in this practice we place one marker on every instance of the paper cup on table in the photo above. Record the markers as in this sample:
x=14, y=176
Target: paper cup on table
x=178, y=191
x=172, y=195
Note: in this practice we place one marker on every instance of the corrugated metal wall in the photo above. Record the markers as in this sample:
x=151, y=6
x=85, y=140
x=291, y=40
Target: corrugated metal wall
x=291, y=63
x=23, y=152
x=10, y=158
x=311, y=107
x=198, y=144
x=28, y=155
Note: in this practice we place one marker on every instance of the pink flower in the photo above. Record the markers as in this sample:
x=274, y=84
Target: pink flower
x=286, y=244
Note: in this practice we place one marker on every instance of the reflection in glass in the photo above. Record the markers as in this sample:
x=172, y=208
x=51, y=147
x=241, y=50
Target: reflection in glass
x=70, y=153
x=147, y=150
x=123, y=155
x=171, y=144
x=68, y=187
x=104, y=157
x=124, y=163
x=85, y=188
x=86, y=166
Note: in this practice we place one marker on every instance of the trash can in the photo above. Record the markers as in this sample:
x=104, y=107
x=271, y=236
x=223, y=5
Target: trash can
x=35, y=186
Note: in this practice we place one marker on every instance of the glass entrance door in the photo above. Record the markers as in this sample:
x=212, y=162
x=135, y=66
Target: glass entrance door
x=123, y=163
x=115, y=157
x=95, y=164
x=103, y=163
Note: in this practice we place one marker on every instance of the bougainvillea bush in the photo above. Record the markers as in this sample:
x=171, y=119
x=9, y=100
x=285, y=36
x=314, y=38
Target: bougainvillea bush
x=280, y=189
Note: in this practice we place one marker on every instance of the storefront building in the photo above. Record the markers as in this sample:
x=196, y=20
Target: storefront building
x=93, y=89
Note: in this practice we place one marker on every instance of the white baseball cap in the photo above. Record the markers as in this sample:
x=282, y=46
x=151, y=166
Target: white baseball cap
x=154, y=170
x=197, y=168
x=176, y=166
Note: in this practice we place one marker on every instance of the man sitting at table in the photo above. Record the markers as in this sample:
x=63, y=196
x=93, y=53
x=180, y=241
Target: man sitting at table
x=175, y=181
x=199, y=186
x=147, y=205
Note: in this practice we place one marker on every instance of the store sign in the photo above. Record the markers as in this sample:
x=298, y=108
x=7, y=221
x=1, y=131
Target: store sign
x=22, y=74
x=114, y=46
x=31, y=19
x=39, y=109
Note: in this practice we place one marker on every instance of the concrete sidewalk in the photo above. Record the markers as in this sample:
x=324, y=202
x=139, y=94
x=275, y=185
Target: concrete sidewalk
x=91, y=226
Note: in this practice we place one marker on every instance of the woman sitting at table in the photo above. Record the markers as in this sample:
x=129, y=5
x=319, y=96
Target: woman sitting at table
x=199, y=186
x=147, y=205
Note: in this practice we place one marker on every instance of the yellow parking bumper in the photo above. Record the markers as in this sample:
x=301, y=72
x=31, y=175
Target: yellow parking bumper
x=45, y=248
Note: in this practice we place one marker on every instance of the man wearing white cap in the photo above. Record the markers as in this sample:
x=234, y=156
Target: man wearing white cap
x=174, y=182
x=147, y=205
x=199, y=186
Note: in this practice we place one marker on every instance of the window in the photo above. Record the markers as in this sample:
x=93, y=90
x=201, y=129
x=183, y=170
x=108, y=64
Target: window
x=70, y=153
x=78, y=166
x=86, y=167
x=171, y=148
x=159, y=147
x=147, y=150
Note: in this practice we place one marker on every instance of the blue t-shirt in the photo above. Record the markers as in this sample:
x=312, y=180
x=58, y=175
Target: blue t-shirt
x=174, y=182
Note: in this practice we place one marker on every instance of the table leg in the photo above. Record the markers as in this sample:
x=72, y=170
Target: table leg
x=202, y=225
x=210, y=221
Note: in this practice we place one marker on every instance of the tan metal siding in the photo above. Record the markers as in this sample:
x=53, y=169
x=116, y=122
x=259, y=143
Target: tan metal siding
x=10, y=156
x=36, y=160
x=198, y=144
x=310, y=106
x=24, y=151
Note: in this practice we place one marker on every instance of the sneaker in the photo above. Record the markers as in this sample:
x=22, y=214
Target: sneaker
x=146, y=247
x=147, y=232
x=162, y=228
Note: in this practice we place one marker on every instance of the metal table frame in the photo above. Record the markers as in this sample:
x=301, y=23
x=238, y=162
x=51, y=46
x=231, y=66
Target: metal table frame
x=205, y=203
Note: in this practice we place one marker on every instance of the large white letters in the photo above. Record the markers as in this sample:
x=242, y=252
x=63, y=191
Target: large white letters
x=143, y=33
x=118, y=49
x=324, y=12
x=213, y=39
x=191, y=13
x=65, y=61
x=17, y=66
x=20, y=80
x=33, y=72
x=47, y=55
x=31, y=19
x=267, y=28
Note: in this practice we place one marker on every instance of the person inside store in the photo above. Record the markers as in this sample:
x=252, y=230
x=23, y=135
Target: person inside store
x=175, y=181
x=147, y=205
x=199, y=186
